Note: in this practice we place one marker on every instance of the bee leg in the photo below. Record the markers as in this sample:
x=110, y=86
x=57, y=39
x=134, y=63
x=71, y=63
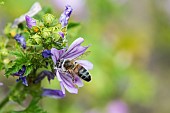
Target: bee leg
x=72, y=75
x=73, y=79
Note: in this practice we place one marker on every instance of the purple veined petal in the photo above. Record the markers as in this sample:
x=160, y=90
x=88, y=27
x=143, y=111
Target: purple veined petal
x=76, y=43
x=85, y=63
x=67, y=82
x=56, y=54
x=30, y=21
x=78, y=81
x=53, y=93
x=75, y=50
x=58, y=76
x=62, y=88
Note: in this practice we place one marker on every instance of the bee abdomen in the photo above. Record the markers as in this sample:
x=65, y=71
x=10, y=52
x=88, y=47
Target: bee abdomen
x=84, y=74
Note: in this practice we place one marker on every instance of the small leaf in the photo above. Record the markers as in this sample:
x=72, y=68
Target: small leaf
x=13, y=69
x=17, y=53
x=28, y=70
x=72, y=25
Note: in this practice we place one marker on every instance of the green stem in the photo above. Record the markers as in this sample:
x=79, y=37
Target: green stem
x=6, y=99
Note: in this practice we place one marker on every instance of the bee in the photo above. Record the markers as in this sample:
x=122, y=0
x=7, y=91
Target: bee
x=74, y=68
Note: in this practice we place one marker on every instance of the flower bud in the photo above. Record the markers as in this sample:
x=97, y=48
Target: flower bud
x=37, y=38
x=4, y=52
x=6, y=61
x=48, y=19
x=46, y=33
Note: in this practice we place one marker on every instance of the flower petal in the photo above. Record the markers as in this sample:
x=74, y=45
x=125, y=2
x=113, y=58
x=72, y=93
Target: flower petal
x=46, y=53
x=65, y=16
x=30, y=21
x=78, y=81
x=53, y=93
x=24, y=81
x=85, y=63
x=67, y=82
x=42, y=75
x=75, y=50
x=21, y=71
x=62, y=88
x=21, y=40
x=56, y=54
x=58, y=76
x=61, y=34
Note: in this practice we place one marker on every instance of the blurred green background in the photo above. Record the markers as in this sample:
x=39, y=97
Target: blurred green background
x=130, y=50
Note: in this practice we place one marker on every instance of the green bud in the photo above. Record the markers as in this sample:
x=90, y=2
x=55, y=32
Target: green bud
x=46, y=33
x=39, y=23
x=48, y=19
x=6, y=61
x=55, y=36
x=36, y=38
x=4, y=52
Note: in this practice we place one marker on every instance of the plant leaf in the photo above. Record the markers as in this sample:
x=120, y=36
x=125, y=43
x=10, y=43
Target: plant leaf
x=72, y=25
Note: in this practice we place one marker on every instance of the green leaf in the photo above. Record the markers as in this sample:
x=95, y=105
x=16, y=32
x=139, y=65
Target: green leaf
x=12, y=70
x=18, y=54
x=29, y=68
x=72, y=25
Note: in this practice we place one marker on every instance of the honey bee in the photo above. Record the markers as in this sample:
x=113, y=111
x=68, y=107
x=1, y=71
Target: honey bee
x=73, y=68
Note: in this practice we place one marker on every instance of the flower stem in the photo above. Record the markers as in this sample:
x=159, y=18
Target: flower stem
x=6, y=99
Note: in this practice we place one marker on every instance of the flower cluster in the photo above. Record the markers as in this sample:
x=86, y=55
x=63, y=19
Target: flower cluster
x=43, y=44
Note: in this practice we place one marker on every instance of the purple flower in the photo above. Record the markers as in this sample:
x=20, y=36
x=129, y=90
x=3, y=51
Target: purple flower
x=36, y=8
x=20, y=39
x=117, y=106
x=30, y=21
x=20, y=73
x=65, y=16
x=53, y=93
x=1, y=83
x=61, y=34
x=65, y=78
x=44, y=74
x=46, y=53
x=48, y=92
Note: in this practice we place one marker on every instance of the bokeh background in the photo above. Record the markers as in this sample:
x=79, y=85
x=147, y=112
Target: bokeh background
x=130, y=50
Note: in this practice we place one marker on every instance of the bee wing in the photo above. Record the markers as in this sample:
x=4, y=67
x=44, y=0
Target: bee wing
x=85, y=63
x=77, y=79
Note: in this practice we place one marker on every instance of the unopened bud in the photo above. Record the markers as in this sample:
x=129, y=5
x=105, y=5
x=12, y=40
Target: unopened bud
x=48, y=19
